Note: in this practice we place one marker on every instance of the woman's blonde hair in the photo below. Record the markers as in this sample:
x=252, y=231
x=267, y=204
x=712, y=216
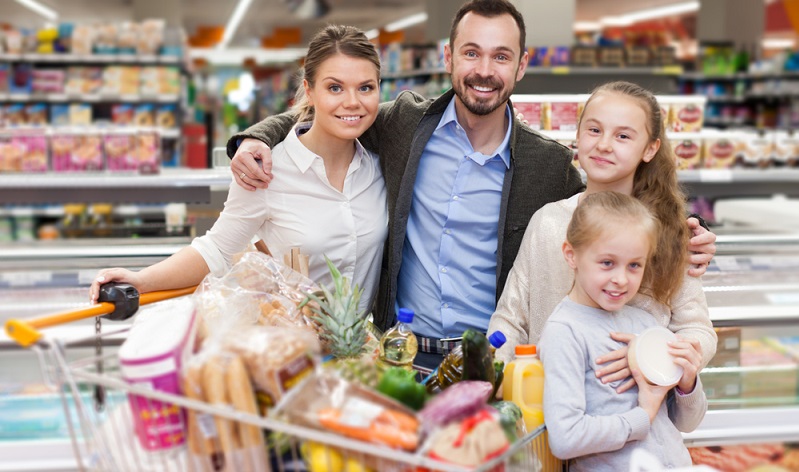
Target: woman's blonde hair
x=332, y=40
x=603, y=212
x=655, y=184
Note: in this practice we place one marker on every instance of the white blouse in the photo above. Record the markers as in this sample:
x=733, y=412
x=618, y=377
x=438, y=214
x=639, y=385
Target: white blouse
x=301, y=209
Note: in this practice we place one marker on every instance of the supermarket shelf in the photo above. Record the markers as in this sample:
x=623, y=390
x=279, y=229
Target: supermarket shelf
x=746, y=426
x=740, y=76
x=555, y=70
x=92, y=58
x=715, y=183
x=88, y=97
x=171, y=185
x=765, y=315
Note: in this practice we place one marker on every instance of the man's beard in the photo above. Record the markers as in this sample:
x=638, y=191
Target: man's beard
x=480, y=108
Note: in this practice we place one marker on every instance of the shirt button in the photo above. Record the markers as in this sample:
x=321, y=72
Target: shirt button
x=446, y=305
x=447, y=231
x=444, y=270
x=456, y=198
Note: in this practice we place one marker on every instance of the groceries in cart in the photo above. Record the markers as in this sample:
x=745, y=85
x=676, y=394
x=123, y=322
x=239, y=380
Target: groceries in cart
x=261, y=370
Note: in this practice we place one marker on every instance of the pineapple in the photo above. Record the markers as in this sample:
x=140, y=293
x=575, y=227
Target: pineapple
x=343, y=328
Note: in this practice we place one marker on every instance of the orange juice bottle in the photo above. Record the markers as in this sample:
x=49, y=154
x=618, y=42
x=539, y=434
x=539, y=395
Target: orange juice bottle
x=524, y=385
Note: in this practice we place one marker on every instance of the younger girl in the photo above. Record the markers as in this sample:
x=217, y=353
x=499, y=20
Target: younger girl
x=609, y=243
x=331, y=198
x=622, y=147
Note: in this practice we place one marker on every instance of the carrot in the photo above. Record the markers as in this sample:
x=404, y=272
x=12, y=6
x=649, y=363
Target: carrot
x=392, y=428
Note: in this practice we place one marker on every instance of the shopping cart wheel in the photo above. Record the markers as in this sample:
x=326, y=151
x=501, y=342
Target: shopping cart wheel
x=125, y=298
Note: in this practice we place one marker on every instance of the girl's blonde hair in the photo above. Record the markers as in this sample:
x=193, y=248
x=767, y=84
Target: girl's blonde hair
x=603, y=212
x=655, y=184
x=332, y=40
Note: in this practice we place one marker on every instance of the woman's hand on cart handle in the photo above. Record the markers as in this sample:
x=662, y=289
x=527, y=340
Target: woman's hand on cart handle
x=113, y=275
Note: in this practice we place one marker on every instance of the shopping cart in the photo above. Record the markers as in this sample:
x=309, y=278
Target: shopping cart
x=102, y=427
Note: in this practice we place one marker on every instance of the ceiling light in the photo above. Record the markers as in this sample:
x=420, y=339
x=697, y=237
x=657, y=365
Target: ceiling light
x=236, y=56
x=778, y=43
x=372, y=33
x=46, y=12
x=587, y=26
x=233, y=23
x=406, y=22
x=651, y=14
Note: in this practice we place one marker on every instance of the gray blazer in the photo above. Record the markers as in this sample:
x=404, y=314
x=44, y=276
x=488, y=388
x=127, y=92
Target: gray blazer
x=540, y=172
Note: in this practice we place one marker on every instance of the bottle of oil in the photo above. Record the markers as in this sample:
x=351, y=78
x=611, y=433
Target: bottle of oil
x=451, y=368
x=398, y=345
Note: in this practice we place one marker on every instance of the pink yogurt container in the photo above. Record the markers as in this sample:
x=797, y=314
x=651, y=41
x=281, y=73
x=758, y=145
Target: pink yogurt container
x=151, y=357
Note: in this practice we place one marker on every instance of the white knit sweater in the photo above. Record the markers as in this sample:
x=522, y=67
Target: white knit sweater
x=540, y=278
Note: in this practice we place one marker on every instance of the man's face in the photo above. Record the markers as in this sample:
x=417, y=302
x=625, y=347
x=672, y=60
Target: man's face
x=485, y=62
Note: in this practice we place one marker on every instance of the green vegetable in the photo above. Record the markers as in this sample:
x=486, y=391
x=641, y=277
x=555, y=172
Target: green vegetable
x=478, y=363
x=509, y=415
x=401, y=385
x=499, y=368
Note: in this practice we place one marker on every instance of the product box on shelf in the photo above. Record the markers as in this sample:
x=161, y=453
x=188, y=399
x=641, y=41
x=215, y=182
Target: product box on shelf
x=15, y=115
x=786, y=149
x=80, y=114
x=688, y=150
x=23, y=150
x=76, y=150
x=550, y=112
x=719, y=149
x=119, y=146
x=721, y=384
x=166, y=116
x=753, y=149
x=36, y=114
x=685, y=112
x=148, y=150
x=144, y=115
x=59, y=114
x=122, y=114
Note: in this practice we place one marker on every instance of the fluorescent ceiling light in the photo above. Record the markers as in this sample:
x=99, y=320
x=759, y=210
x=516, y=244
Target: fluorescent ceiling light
x=778, y=43
x=587, y=26
x=650, y=14
x=236, y=56
x=406, y=22
x=46, y=12
x=233, y=23
x=372, y=33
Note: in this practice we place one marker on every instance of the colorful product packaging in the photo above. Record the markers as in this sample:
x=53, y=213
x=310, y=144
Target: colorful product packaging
x=719, y=150
x=688, y=150
x=75, y=150
x=119, y=146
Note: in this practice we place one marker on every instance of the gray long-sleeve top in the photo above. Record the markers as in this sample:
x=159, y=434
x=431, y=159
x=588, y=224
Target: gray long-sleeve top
x=587, y=420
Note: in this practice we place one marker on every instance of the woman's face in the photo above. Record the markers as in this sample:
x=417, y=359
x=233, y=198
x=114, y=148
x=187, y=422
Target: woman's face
x=345, y=96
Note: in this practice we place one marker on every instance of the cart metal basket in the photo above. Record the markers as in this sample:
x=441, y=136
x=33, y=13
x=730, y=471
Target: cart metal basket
x=103, y=434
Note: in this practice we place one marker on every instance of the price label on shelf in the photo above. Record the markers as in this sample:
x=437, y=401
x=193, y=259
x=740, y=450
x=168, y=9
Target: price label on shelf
x=715, y=175
x=26, y=279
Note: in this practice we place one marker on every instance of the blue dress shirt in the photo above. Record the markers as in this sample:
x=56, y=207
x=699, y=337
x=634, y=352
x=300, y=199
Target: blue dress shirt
x=449, y=259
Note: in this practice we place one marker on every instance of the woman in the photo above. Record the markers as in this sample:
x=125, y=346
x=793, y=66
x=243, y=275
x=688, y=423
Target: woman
x=329, y=199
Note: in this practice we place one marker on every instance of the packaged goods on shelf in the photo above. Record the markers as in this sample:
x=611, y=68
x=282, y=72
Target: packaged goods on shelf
x=36, y=114
x=23, y=150
x=548, y=56
x=776, y=377
x=76, y=150
x=84, y=80
x=48, y=80
x=718, y=150
x=551, y=112
x=688, y=150
x=786, y=149
x=144, y=115
x=685, y=112
x=753, y=149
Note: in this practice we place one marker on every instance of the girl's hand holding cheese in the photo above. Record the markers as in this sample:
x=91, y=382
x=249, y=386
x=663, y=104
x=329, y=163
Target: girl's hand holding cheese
x=688, y=355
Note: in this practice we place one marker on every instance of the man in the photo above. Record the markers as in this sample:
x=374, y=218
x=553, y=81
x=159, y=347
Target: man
x=463, y=179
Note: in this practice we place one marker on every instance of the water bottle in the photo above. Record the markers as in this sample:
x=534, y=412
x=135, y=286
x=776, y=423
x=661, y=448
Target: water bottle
x=398, y=345
x=451, y=368
x=524, y=385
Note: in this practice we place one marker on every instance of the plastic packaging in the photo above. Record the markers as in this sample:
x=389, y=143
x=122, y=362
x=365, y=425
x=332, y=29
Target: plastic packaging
x=451, y=368
x=398, y=346
x=524, y=385
x=649, y=352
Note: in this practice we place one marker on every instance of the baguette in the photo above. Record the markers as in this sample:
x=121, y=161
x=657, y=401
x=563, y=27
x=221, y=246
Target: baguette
x=242, y=398
x=216, y=393
x=202, y=443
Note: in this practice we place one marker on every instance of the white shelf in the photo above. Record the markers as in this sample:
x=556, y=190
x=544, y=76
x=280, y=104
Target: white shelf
x=747, y=426
x=92, y=58
x=88, y=97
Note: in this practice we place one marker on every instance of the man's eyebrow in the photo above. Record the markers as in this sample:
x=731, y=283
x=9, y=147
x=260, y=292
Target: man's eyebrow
x=504, y=49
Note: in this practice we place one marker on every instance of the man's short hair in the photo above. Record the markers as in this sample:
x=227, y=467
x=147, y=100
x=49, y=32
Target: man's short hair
x=490, y=9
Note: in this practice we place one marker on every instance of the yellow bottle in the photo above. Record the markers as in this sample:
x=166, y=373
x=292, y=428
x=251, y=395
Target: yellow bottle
x=524, y=385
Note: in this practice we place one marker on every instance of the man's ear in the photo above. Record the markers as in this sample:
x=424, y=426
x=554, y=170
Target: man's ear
x=448, y=58
x=568, y=254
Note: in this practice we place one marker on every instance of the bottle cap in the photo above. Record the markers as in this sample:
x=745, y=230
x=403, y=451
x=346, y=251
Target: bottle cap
x=405, y=315
x=526, y=350
x=497, y=339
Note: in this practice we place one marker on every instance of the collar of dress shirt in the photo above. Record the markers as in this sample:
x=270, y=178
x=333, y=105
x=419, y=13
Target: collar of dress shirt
x=503, y=150
x=303, y=158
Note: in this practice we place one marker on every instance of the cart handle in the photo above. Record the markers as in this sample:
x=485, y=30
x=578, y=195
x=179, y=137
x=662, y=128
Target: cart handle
x=26, y=332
